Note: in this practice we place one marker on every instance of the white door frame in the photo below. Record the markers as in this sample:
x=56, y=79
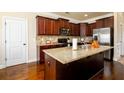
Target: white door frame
x=121, y=41
x=4, y=38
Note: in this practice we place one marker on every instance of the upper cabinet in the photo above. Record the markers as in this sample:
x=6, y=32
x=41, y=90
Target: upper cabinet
x=63, y=23
x=87, y=29
x=83, y=29
x=74, y=29
x=100, y=23
x=77, y=29
x=44, y=26
x=90, y=29
x=109, y=22
x=40, y=25
x=48, y=26
x=106, y=22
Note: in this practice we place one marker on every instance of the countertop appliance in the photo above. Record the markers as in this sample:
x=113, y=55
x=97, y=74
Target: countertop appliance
x=64, y=31
x=105, y=37
x=63, y=40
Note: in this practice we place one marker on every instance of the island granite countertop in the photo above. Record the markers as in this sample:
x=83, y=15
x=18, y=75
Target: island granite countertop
x=66, y=54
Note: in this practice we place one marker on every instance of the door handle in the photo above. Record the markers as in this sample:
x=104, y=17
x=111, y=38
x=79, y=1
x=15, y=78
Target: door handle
x=24, y=44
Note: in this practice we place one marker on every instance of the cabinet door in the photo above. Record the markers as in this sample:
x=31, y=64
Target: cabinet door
x=42, y=56
x=90, y=29
x=56, y=28
x=61, y=23
x=100, y=23
x=50, y=68
x=109, y=22
x=49, y=26
x=40, y=25
x=77, y=29
x=66, y=24
x=71, y=26
x=83, y=29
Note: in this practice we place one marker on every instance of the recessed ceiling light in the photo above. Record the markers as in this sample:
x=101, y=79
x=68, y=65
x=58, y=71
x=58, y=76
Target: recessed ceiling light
x=85, y=15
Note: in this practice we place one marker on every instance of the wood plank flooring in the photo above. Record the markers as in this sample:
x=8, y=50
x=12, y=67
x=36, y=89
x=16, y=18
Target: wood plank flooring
x=34, y=71
x=31, y=71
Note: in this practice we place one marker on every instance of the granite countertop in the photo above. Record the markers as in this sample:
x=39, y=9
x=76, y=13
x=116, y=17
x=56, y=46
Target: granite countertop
x=66, y=54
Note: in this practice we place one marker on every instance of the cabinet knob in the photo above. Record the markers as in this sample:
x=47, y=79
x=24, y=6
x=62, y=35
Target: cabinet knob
x=48, y=63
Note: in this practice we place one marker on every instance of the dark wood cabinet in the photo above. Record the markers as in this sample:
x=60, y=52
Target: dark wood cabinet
x=48, y=26
x=42, y=56
x=56, y=27
x=74, y=29
x=83, y=29
x=71, y=26
x=100, y=23
x=63, y=23
x=109, y=22
x=87, y=29
x=105, y=22
x=90, y=29
x=82, y=69
x=40, y=25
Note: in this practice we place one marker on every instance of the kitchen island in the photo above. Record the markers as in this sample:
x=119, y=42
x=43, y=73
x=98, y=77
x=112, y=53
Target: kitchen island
x=67, y=64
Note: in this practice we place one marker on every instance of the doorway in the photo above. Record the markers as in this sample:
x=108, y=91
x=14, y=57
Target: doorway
x=16, y=41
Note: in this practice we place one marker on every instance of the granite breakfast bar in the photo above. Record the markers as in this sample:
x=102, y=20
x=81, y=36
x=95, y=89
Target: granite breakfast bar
x=67, y=64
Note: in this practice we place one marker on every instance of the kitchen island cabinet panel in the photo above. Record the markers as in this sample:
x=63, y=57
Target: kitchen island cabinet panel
x=82, y=69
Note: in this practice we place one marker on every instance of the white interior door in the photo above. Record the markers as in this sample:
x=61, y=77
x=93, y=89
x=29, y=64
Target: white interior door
x=15, y=41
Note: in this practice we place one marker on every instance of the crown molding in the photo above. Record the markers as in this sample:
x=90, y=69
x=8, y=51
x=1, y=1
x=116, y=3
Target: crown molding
x=55, y=16
x=92, y=20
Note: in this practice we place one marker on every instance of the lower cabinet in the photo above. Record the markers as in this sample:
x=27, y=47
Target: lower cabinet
x=42, y=56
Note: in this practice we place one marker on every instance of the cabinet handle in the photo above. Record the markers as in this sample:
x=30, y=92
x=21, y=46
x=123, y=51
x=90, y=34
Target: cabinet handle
x=24, y=44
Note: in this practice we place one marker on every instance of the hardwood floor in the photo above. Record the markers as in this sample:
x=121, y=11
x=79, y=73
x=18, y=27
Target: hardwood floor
x=31, y=71
x=112, y=71
x=34, y=71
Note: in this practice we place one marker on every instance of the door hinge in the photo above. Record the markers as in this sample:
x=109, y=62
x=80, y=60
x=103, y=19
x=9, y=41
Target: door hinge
x=5, y=23
x=5, y=59
x=5, y=41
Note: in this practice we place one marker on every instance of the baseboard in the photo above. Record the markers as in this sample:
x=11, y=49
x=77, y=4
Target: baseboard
x=34, y=60
x=115, y=59
x=2, y=66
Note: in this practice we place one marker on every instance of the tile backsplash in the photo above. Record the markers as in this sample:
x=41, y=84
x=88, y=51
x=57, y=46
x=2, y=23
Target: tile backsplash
x=43, y=38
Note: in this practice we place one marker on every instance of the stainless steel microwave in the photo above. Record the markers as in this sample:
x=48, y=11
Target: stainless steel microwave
x=64, y=31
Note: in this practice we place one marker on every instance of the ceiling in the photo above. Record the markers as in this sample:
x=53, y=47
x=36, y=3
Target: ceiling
x=81, y=15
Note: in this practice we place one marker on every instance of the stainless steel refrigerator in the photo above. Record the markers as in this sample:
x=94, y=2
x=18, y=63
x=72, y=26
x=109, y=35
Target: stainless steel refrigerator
x=105, y=37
